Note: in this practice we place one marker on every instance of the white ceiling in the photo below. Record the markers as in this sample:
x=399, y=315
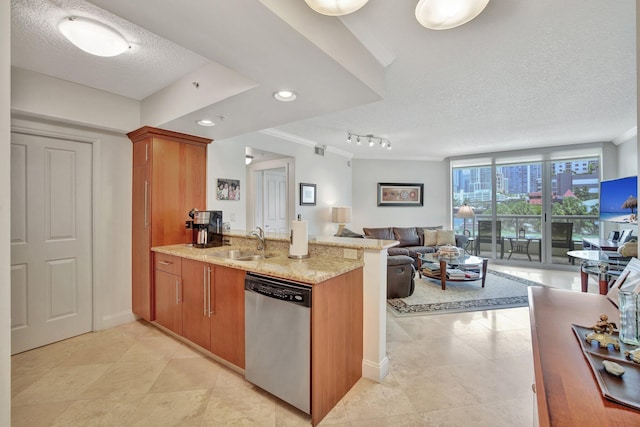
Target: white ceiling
x=524, y=73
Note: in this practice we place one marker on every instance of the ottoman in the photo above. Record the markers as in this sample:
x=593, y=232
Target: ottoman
x=400, y=276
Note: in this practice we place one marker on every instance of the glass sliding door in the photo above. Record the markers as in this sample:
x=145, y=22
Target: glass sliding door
x=573, y=205
x=519, y=209
x=474, y=187
x=528, y=209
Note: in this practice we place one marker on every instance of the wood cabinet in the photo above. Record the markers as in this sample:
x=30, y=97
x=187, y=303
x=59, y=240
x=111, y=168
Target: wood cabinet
x=203, y=303
x=227, y=316
x=196, y=310
x=168, y=292
x=169, y=179
x=336, y=340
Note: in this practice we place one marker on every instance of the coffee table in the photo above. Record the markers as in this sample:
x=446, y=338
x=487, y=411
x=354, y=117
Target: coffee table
x=462, y=262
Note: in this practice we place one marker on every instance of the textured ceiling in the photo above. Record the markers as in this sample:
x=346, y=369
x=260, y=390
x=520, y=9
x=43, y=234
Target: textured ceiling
x=522, y=74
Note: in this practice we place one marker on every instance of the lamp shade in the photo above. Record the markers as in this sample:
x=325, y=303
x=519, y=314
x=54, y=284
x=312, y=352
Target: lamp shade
x=341, y=214
x=465, y=211
x=445, y=14
x=335, y=7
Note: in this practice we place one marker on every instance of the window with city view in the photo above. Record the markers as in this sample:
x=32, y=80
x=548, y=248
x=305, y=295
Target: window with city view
x=563, y=191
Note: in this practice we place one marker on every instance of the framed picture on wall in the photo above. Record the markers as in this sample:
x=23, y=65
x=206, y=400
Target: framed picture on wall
x=228, y=189
x=307, y=194
x=393, y=194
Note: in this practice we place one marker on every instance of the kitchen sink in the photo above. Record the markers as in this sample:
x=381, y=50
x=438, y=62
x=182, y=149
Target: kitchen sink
x=240, y=255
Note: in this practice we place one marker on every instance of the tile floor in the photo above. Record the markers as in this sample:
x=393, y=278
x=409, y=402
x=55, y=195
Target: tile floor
x=468, y=369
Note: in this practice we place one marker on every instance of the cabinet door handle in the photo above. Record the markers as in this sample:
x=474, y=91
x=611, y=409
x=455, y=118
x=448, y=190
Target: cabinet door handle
x=146, y=204
x=164, y=263
x=209, y=299
x=204, y=291
x=177, y=292
x=146, y=152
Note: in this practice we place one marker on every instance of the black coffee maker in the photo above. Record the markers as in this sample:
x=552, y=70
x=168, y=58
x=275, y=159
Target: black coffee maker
x=206, y=228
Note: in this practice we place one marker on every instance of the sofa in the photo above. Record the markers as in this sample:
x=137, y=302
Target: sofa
x=413, y=242
x=403, y=260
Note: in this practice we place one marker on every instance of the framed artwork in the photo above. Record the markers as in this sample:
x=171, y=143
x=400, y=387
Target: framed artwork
x=307, y=194
x=390, y=194
x=228, y=189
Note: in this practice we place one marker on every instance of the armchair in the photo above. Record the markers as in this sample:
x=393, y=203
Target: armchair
x=562, y=237
x=485, y=234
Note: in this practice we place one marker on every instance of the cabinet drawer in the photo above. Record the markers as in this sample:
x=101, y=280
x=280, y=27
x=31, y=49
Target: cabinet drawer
x=169, y=263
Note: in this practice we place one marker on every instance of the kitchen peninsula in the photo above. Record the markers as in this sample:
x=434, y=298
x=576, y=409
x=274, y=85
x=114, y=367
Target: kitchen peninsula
x=199, y=297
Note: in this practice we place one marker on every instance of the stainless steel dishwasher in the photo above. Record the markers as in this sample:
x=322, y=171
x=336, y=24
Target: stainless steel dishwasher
x=278, y=338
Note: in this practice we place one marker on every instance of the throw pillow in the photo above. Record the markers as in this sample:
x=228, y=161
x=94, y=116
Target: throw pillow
x=430, y=237
x=445, y=237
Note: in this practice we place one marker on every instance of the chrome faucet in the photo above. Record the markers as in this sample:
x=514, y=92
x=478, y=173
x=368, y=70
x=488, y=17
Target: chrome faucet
x=262, y=244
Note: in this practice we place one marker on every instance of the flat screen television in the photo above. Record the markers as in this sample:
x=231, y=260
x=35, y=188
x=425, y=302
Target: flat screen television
x=619, y=200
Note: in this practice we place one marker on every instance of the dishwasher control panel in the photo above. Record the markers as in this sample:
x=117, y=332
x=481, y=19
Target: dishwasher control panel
x=284, y=290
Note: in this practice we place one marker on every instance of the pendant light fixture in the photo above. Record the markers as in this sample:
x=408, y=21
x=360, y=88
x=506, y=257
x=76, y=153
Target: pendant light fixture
x=93, y=37
x=446, y=14
x=335, y=7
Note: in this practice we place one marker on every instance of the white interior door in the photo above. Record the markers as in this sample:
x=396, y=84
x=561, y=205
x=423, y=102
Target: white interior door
x=275, y=201
x=51, y=260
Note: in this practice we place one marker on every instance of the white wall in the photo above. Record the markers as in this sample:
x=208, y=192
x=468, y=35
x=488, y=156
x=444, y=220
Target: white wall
x=368, y=173
x=5, y=212
x=627, y=158
x=331, y=173
x=45, y=96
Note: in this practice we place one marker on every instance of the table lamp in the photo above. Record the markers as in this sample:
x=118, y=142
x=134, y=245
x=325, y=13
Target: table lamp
x=340, y=215
x=465, y=212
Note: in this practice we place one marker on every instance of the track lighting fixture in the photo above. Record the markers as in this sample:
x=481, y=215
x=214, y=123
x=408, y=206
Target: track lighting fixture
x=371, y=139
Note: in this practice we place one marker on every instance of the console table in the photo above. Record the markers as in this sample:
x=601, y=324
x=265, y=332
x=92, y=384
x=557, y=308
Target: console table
x=566, y=391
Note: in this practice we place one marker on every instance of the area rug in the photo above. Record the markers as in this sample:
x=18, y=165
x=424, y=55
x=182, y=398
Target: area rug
x=501, y=291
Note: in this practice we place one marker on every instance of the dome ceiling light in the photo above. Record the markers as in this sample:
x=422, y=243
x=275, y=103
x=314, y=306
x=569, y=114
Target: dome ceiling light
x=446, y=14
x=93, y=37
x=432, y=14
x=335, y=7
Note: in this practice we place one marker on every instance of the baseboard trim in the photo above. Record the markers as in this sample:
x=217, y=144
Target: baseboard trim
x=375, y=371
x=115, y=319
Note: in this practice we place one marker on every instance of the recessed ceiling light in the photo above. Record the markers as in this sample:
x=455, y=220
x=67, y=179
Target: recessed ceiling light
x=205, y=122
x=93, y=37
x=285, y=95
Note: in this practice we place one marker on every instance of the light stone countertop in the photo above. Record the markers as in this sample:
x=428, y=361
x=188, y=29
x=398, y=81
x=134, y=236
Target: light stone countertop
x=313, y=270
x=329, y=256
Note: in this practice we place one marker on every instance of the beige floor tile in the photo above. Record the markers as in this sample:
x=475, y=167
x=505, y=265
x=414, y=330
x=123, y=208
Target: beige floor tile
x=60, y=384
x=126, y=379
x=38, y=415
x=289, y=416
x=501, y=345
x=413, y=420
x=153, y=348
x=240, y=406
x=187, y=374
x=489, y=384
x=435, y=388
x=180, y=408
x=510, y=413
x=337, y=416
x=99, y=412
x=369, y=400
